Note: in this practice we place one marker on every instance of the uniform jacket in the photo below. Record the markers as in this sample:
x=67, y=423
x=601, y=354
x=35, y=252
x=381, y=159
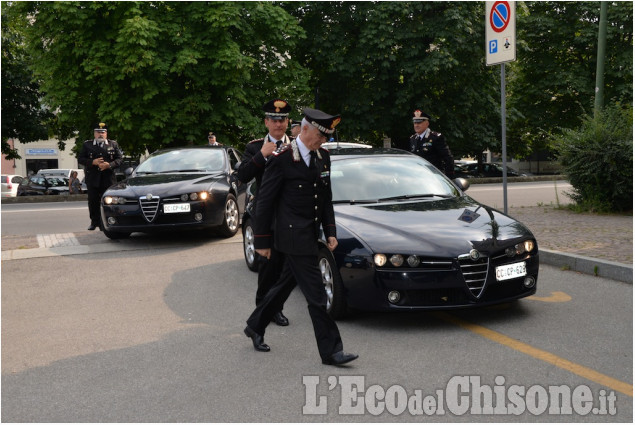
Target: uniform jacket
x=434, y=149
x=110, y=152
x=297, y=199
x=253, y=163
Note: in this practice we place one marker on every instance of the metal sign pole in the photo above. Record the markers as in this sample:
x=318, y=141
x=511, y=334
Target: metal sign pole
x=504, y=134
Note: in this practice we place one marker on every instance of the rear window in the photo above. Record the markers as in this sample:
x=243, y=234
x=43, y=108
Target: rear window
x=4, y=179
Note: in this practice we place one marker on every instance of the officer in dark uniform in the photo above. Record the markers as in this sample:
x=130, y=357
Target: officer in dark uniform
x=211, y=139
x=296, y=196
x=295, y=128
x=257, y=153
x=99, y=157
x=430, y=145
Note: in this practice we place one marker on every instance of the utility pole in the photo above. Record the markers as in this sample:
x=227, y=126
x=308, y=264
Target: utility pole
x=599, y=72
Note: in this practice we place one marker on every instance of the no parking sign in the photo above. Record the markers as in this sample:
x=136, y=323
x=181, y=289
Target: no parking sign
x=500, y=32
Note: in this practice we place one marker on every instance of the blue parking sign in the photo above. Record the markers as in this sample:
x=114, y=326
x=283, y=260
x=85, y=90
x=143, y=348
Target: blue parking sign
x=493, y=46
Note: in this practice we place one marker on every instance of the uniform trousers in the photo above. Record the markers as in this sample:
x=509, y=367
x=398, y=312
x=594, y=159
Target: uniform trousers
x=268, y=273
x=305, y=270
x=94, y=203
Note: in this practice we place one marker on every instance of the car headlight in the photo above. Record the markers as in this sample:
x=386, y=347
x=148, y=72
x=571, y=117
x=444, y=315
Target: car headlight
x=203, y=195
x=413, y=261
x=520, y=248
x=184, y=197
x=114, y=200
x=194, y=196
x=380, y=260
x=396, y=260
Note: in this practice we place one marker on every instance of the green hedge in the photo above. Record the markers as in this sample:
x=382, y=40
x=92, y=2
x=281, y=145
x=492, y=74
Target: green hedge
x=598, y=159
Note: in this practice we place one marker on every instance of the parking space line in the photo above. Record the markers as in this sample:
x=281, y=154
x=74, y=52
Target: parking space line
x=545, y=356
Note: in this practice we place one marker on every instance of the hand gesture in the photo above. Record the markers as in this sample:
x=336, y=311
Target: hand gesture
x=267, y=149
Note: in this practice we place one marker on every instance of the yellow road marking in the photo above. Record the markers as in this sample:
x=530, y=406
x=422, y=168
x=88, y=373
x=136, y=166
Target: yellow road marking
x=556, y=297
x=584, y=372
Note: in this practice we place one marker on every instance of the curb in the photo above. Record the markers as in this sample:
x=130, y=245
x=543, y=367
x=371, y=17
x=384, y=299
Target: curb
x=44, y=198
x=587, y=265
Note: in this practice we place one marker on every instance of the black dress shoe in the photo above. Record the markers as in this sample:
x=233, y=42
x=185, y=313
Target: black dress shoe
x=340, y=358
x=280, y=319
x=258, y=340
x=92, y=226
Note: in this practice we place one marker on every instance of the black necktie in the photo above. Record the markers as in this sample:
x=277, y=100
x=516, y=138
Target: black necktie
x=278, y=143
x=313, y=160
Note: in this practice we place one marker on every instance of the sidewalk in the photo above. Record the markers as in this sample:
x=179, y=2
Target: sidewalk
x=589, y=243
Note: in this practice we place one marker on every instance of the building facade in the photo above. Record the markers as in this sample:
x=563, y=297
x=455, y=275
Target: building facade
x=39, y=155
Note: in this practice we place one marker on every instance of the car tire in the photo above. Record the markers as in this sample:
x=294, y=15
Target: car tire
x=332, y=281
x=116, y=235
x=251, y=256
x=230, y=217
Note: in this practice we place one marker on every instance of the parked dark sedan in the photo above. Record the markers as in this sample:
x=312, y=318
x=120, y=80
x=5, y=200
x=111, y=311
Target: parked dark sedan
x=176, y=189
x=491, y=169
x=38, y=184
x=411, y=239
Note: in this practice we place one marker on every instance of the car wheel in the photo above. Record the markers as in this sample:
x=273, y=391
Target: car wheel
x=116, y=235
x=251, y=257
x=230, y=218
x=335, y=303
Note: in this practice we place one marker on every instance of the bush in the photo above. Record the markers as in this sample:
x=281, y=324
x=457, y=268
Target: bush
x=598, y=158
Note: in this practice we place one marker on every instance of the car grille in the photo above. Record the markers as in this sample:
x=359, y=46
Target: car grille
x=150, y=207
x=474, y=273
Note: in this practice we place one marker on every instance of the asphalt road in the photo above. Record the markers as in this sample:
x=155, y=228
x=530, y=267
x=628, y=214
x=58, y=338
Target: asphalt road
x=155, y=335
x=68, y=217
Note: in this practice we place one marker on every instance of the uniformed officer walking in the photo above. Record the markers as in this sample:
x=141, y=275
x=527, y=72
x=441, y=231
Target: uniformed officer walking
x=430, y=145
x=99, y=157
x=257, y=152
x=296, y=196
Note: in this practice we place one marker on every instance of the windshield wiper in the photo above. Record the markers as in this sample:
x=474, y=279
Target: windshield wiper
x=353, y=201
x=421, y=195
x=182, y=171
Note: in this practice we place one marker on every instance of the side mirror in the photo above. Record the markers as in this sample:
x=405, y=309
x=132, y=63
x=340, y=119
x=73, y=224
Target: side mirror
x=128, y=171
x=462, y=183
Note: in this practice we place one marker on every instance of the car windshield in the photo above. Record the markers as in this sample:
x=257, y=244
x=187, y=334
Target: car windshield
x=183, y=160
x=375, y=179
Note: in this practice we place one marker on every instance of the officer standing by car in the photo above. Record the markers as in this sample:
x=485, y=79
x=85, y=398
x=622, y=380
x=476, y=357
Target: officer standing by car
x=296, y=196
x=257, y=153
x=430, y=145
x=99, y=156
x=211, y=139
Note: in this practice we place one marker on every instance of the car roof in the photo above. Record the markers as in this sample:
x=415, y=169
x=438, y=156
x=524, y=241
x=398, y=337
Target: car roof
x=360, y=152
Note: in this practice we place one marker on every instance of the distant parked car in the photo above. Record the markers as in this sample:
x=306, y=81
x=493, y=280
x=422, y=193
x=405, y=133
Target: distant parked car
x=491, y=169
x=10, y=184
x=461, y=171
x=38, y=184
x=61, y=172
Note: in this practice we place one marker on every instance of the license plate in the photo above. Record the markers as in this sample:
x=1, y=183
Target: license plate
x=176, y=208
x=511, y=271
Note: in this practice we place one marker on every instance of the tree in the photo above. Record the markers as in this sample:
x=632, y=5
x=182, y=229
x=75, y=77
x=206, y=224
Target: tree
x=375, y=62
x=23, y=117
x=162, y=73
x=553, y=81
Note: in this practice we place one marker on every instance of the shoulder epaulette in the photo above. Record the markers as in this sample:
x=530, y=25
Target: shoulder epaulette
x=282, y=149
